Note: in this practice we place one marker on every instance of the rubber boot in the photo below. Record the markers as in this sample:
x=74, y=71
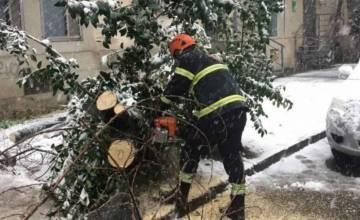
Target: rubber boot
x=182, y=193
x=236, y=210
x=166, y=194
x=181, y=208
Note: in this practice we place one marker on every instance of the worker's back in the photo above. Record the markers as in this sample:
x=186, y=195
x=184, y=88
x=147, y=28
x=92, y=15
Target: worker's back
x=212, y=82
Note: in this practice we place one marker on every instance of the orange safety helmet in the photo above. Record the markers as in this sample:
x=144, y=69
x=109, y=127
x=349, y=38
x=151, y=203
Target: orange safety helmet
x=180, y=42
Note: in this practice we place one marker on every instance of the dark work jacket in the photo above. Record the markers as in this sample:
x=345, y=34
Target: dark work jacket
x=210, y=89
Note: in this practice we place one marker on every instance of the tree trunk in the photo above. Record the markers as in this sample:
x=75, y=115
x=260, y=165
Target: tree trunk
x=36, y=127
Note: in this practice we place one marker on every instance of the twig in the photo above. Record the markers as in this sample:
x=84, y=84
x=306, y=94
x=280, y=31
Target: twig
x=34, y=135
x=20, y=187
x=92, y=103
x=66, y=171
x=170, y=197
x=95, y=136
x=32, y=149
x=11, y=216
x=52, y=161
x=59, y=55
x=57, y=183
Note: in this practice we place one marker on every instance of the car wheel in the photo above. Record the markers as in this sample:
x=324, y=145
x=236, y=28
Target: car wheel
x=345, y=160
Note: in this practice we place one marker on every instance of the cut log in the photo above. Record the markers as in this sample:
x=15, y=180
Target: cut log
x=36, y=127
x=123, y=152
x=106, y=101
x=119, y=108
x=105, y=105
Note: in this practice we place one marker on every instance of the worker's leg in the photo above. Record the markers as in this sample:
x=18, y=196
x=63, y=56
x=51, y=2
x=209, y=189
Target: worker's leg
x=230, y=150
x=190, y=156
x=189, y=159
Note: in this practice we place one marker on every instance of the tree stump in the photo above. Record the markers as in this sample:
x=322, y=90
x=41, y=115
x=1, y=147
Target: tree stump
x=123, y=152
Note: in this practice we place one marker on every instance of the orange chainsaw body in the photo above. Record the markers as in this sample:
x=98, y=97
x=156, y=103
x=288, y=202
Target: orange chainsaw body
x=168, y=122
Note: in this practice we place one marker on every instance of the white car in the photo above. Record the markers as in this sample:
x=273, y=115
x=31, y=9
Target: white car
x=343, y=120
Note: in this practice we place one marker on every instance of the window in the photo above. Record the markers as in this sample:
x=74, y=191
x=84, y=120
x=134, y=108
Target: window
x=10, y=12
x=274, y=25
x=57, y=23
x=210, y=31
x=33, y=87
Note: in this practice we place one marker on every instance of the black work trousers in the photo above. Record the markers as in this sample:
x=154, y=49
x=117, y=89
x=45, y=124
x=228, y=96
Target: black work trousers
x=226, y=132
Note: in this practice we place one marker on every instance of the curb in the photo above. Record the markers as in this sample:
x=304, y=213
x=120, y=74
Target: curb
x=262, y=165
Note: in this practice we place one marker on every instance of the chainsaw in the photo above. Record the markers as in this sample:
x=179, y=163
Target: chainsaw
x=165, y=127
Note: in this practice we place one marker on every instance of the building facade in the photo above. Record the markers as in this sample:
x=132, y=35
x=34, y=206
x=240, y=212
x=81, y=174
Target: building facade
x=311, y=34
x=302, y=37
x=41, y=19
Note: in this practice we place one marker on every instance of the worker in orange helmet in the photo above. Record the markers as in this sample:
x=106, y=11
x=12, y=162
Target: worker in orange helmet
x=221, y=117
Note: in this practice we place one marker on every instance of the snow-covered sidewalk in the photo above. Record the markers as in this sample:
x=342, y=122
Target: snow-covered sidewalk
x=311, y=94
x=312, y=168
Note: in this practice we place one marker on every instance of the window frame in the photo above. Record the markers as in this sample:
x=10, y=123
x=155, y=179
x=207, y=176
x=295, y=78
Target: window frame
x=277, y=26
x=61, y=38
x=22, y=18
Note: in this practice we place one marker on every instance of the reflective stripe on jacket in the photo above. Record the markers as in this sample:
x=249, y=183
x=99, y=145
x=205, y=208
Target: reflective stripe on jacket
x=208, y=81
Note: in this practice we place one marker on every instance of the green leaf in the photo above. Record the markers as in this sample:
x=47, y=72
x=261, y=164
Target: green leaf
x=33, y=58
x=106, y=45
x=122, y=45
x=94, y=21
x=83, y=136
x=104, y=8
x=87, y=21
x=39, y=64
x=60, y=3
x=105, y=75
x=88, y=184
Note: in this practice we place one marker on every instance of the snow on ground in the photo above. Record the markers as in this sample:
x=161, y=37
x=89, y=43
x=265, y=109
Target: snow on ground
x=27, y=170
x=4, y=133
x=311, y=94
x=312, y=168
x=345, y=71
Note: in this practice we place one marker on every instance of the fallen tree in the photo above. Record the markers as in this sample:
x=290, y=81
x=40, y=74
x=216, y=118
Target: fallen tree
x=83, y=178
x=53, y=122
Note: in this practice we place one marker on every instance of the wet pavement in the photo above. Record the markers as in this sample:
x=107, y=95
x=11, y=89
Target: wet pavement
x=295, y=204
x=305, y=186
x=312, y=168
